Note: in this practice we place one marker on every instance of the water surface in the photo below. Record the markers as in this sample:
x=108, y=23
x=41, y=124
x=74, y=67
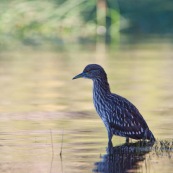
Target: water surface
x=39, y=103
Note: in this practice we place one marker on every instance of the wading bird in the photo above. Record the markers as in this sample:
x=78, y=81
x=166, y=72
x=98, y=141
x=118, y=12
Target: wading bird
x=119, y=115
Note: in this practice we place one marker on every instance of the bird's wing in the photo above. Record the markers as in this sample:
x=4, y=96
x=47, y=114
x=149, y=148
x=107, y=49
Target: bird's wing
x=127, y=119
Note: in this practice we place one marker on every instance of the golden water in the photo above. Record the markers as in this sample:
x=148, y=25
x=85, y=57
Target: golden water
x=39, y=102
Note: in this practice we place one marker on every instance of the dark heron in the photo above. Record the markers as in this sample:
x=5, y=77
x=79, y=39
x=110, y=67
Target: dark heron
x=119, y=115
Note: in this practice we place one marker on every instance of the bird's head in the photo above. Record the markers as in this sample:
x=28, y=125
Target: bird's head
x=92, y=71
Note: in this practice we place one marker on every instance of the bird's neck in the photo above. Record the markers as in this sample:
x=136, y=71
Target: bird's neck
x=101, y=87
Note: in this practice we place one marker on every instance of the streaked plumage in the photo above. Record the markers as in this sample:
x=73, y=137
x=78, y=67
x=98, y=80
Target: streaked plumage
x=119, y=115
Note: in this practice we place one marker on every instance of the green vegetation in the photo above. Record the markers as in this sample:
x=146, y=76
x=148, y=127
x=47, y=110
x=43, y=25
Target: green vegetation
x=34, y=22
x=147, y=16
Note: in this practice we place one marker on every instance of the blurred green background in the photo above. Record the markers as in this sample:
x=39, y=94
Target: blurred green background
x=41, y=22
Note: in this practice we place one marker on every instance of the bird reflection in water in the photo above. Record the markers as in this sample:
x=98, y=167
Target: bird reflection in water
x=123, y=158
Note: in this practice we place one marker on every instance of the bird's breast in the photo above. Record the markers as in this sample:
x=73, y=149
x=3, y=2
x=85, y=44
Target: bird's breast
x=101, y=105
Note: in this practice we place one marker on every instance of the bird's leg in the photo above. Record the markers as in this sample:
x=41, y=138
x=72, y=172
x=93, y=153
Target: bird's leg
x=110, y=145
x=127, y=140
x=110, y=139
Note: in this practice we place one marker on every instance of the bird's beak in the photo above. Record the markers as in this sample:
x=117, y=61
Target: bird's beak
x=79, y=76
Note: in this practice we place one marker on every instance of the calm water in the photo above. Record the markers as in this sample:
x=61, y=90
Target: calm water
x=39, y=103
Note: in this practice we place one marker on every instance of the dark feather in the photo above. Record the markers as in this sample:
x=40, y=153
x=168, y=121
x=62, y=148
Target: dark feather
x=126, y=119
x=119, y=115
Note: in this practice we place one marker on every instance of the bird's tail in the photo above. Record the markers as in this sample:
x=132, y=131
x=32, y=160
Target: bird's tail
x=149, y=135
